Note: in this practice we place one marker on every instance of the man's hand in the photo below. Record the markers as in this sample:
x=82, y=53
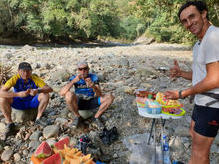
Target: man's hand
x=175, y=70
x=174, y=95
x=23, y=93
x=78, y=78
x=89, y=83
x=33, y=92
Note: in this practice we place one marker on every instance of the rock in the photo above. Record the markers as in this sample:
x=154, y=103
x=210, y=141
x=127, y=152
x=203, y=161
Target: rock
x=50, y=131
x=143, y=40
x=2, y=127
x=61, y=75
x=182, y=131
x=177, y=145
x=129, y=90
x=51, y=141
x=25, y=152
x=85, y=114
x=214, y=149
x=37, y=65
x=23, y=115
x=61, y=121
x=27, y=48
x=34, y=144
x=8, y=55
x=6, y=155
x=216, y=140
x=35, y=136
x=143, y=72
x=2, y=144
x=17, y=157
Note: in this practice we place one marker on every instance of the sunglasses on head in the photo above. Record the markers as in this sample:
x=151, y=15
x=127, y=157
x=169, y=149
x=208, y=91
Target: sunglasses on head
x=85, y=68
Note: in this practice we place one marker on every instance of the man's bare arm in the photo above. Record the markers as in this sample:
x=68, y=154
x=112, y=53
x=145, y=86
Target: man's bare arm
x=68, y=86
x=186, y=75
x=4, y=93
x=211, y=81
x=176, y=71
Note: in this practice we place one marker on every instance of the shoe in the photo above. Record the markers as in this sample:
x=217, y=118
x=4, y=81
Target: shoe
x=98, y=124
x=109, y=136
x=9, y=130
x=75, y=122
x=40, y=122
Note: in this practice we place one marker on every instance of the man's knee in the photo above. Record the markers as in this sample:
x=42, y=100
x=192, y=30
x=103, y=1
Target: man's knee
x=201, y=146
x=110, y=97
x=44, y=97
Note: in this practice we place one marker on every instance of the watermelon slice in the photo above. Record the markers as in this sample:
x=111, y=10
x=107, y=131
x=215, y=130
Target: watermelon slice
x=43, y=150
x=60, y=144
x=54, y=159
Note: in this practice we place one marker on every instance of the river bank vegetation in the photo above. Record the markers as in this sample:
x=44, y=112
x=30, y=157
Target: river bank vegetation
x=67, y=21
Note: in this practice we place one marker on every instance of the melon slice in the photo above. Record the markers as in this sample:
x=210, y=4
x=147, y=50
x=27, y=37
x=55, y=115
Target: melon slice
x=43, y=150
x=54, y=159
x=60, y=144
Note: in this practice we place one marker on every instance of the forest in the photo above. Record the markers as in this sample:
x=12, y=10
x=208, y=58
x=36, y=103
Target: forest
x=68, y=21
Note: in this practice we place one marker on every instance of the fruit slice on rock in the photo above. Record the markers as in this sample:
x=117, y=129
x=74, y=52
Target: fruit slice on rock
x=36, y=160
x=54, y=159
x=43, y=151
x=60, y=144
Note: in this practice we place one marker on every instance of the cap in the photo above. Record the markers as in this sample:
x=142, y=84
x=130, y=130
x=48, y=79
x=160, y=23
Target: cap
x=25, y=65
x=80, y=63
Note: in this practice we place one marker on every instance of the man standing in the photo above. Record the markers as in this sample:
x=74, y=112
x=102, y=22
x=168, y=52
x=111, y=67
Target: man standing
x=205, y=79
x=87, y=95
x=29, y=92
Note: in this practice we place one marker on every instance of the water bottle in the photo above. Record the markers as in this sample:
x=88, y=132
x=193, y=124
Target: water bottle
x=166, y=153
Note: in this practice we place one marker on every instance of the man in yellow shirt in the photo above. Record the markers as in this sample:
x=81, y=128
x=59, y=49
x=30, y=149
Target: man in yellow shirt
x=30, y=92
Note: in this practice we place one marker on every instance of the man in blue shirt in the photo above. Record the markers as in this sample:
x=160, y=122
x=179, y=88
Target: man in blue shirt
x=87, y=94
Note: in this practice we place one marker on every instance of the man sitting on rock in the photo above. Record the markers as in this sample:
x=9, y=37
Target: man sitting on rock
x=87, y=95
x=30, y=92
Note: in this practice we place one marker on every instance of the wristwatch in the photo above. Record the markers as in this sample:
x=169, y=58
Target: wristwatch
x=180, y=94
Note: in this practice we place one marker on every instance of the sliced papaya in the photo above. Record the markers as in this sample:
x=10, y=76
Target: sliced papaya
x=36, y=160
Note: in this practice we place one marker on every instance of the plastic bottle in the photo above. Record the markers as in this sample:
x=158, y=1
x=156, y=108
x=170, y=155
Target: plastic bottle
x=166, y=153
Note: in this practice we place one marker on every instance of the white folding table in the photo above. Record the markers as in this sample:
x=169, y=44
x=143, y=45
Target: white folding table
x=163, y=117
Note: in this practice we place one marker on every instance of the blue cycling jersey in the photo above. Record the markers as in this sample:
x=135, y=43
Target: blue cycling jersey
x=81, y=89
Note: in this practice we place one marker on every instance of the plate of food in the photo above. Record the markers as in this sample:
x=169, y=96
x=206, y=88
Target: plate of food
x=170, y=107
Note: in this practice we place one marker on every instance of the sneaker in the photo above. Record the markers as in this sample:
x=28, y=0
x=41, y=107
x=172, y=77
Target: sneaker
x=75, y=122
x=9, y=130
x=98, y=124
x=40, y=122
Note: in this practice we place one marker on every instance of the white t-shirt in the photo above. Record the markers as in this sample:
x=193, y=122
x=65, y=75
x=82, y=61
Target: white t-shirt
x=204, y=52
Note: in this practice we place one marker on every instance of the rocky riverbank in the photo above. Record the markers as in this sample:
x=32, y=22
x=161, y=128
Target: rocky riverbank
x=121, y=70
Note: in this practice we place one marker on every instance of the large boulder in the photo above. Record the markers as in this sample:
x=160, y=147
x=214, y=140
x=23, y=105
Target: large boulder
x=23, y=115
x=144, y=40
x=85, y=114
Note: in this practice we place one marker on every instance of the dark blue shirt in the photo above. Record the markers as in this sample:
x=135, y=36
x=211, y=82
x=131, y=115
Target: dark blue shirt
x=82, y=90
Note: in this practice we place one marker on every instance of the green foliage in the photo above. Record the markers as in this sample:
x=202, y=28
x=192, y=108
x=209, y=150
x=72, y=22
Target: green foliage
x=131, y=27
x=54, y=20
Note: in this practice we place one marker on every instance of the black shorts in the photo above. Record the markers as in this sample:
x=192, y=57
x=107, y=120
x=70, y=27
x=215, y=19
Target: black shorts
x=206, y=120
x=89, y=104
